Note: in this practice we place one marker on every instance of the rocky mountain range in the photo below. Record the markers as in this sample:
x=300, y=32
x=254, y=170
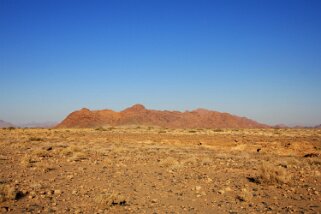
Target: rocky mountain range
x=139, y=115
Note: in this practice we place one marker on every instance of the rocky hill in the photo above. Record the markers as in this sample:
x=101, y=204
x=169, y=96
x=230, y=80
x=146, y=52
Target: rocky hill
x=139, y=115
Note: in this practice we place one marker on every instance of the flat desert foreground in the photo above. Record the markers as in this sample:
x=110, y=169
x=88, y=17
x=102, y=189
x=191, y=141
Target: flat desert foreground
x=154, y=170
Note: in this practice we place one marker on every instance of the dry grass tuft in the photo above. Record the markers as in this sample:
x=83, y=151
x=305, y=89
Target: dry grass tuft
x=40, y=153
x=79, y=156
x=273, y=174
x=171, y=163
x=100, y=129
x=35, y=139
x=106, y=199
x=245, y=195
x=28, y=161
x=9, y=192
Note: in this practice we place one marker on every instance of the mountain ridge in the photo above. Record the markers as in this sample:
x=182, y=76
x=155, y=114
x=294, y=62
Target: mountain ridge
x=139, y=115
x=5, y=124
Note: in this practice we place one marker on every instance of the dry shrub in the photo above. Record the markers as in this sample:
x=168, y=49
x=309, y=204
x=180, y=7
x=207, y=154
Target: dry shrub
x=75, y=153
x=206, y=161
x=9, y=192
x=35, y=139
x=273, y=174
x=106, y=199
x=313, y=162
x=70, y=150
x=116, y=149
x=28, y=161
x=100, y=129
x=45, y=167
x=171, y=163
x=245, y=195
x=78, y=156
x=168, y=162
x=40, y=153
x=190, y=161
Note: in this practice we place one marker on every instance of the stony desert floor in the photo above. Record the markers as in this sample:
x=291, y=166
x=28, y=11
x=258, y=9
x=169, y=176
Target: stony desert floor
x=153, y=170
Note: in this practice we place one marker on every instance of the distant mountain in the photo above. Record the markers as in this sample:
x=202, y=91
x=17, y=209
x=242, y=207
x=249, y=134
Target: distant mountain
x=318, y=127
x=280, y=126
x=139, y=115
x=4, y=124
x=39, y=125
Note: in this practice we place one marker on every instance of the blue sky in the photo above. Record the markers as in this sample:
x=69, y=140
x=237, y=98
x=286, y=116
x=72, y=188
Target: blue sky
x=260, y=59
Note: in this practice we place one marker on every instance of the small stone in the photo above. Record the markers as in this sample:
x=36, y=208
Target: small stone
x=70, y=177
x=228, y=189
x=154, y=200
x=221, y=192
x=209, y=180
x=57, y=192
x=32, y=193
x=4, y=209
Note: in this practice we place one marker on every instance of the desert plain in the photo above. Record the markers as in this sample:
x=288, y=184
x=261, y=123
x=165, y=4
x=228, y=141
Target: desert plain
x=140, y=169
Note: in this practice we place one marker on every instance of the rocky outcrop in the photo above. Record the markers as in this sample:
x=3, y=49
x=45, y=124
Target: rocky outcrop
x=139, y=115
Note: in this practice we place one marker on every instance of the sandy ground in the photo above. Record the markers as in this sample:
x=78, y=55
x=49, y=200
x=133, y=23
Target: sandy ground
x=153, y=170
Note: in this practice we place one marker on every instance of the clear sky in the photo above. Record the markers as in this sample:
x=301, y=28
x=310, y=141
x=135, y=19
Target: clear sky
x=260, y=59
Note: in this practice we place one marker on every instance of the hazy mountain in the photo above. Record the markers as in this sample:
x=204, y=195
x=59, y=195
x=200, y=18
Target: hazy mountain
x=4, y=124
x=318, y=126
x=39, y=125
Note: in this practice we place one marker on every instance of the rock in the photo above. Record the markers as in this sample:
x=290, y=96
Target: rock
x=198, y=188
x=57, y=192
x=228, y=189
x=221, y=192
x=209, y=180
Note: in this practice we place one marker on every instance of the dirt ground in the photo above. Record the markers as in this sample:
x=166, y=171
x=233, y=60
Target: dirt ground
x=154, y=170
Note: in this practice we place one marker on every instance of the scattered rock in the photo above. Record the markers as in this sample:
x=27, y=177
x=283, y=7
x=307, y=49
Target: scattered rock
x=311, y=155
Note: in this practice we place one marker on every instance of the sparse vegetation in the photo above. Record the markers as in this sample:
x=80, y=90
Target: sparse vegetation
x=100, y=129
x=35, y=139
x=271, y=174
x=107, y=200
x=9, y=192
x=138, y=170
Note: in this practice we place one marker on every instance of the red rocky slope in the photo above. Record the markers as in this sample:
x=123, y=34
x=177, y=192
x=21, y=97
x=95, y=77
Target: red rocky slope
x=139, y=115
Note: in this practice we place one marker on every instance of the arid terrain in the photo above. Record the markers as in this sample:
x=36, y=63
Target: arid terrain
x=141, y=169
